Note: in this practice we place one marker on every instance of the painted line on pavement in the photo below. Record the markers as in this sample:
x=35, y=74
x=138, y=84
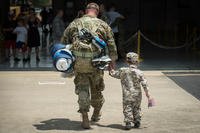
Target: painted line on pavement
x=51, y=83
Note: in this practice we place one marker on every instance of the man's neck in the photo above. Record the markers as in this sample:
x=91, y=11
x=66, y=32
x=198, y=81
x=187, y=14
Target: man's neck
x=91, y=14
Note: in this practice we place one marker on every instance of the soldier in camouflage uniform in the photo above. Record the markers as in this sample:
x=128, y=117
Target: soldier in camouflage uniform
x=131, y=80
x=89, y=82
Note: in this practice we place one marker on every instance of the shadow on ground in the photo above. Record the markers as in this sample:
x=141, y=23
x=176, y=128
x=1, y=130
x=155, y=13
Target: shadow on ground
x=67, y=124
x=116, y=126
x=59, y=124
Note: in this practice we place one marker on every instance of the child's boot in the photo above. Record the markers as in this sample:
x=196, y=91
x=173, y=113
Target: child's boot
x=128, y=126
x=137, y=124
x=96, y=115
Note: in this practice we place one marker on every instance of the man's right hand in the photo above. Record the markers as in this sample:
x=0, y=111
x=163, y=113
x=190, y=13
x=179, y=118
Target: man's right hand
x=111, y=66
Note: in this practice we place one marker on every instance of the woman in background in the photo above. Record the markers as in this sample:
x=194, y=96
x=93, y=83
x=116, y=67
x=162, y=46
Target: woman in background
x=33, y=36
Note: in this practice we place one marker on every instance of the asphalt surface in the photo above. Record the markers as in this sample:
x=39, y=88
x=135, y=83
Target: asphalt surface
x=188, y=81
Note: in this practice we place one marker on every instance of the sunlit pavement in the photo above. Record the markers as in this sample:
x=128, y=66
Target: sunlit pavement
x=43, y=101
x=35, y=98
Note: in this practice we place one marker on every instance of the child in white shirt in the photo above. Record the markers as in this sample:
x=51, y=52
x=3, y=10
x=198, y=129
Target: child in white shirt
x=21, y=40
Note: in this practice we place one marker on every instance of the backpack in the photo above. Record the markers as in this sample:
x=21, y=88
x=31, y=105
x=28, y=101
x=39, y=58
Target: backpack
x=85, y=45
x=83, y=49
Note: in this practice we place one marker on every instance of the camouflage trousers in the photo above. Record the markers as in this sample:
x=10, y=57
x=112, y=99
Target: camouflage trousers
x=132, y=109
x=89, y=87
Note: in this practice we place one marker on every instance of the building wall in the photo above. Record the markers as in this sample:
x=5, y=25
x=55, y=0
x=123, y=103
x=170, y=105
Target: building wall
x=164, y=18
x=4, y=8
x=159, y=16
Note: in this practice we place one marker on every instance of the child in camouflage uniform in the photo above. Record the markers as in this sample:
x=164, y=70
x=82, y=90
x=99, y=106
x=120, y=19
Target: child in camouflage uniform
x=131, y=80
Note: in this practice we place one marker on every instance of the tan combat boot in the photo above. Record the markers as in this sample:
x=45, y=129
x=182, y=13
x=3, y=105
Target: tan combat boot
x=96, y=115
x=85, y=121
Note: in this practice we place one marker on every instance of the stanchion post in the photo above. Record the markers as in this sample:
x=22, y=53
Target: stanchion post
x=187, y=33
x=159, y=33
x=175, y=36
x=187, y=37
x=139, y=44
x=194, y=38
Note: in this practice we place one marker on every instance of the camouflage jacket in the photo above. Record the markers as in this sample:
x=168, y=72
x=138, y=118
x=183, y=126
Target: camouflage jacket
x=101, y=29
x=131, y=81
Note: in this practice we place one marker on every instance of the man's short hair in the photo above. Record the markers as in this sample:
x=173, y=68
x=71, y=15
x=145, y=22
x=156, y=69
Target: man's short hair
x=93, y=6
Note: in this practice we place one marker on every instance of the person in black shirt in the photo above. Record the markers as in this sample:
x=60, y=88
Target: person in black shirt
x=44, y=15
x=10, y=37
x=33, y=36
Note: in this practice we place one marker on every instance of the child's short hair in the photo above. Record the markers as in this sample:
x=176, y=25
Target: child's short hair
x=132, y=58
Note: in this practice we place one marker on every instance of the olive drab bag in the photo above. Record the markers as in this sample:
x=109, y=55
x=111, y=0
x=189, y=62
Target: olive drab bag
x=83, y=49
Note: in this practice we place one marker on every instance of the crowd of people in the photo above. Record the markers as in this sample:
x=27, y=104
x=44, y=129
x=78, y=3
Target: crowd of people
x=22, y=32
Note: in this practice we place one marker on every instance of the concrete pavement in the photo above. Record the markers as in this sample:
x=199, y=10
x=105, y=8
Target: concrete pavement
x=44, y=102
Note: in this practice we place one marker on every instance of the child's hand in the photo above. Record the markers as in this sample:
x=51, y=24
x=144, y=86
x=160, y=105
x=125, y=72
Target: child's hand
x=147, y=94
x=111, y=71
x=111, y=66
x=151, y=102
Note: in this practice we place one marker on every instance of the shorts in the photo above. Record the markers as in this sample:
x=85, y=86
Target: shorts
x=10, y=44
x=20, y=44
